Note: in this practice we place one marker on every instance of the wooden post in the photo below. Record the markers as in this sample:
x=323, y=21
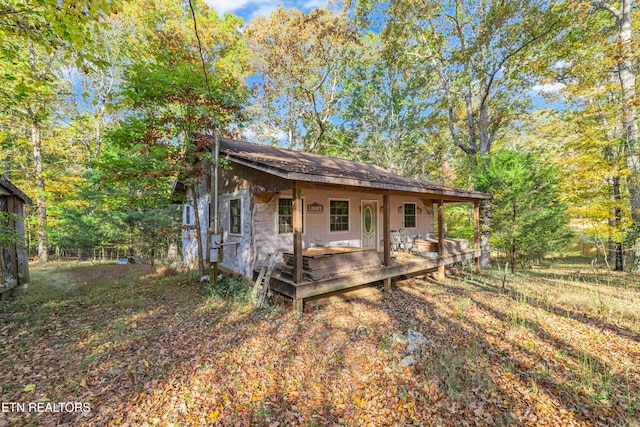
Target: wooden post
x=297, y=233
x=297, y=305
x=476, y=233
x=386, y=236
x=440, y=237
x=386, y=233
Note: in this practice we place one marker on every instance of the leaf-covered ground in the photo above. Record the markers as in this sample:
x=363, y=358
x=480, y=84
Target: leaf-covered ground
x=144, y=347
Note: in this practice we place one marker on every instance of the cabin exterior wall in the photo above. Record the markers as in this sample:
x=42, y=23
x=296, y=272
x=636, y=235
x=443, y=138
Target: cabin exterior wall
x=258, y=193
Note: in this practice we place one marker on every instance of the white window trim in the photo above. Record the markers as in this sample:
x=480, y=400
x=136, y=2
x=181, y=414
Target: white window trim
x=304, y=217
x=348, y=200
x=404, y=214
x=241, y=215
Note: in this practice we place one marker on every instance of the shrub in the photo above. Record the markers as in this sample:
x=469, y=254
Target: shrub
x=229, y=287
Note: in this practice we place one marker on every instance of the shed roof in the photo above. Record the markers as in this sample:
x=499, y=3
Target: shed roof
x=12, y=189
x=308, y=167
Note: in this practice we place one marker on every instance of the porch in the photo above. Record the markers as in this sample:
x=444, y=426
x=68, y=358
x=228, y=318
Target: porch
x=428, y=256
x=401, y=264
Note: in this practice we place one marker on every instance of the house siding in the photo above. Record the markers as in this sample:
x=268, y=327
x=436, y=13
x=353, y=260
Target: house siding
x=316, y=225
x=237, y=247
x=259, y=193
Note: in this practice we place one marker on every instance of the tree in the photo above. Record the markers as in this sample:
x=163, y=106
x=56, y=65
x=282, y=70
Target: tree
x=528, y=216
x=50, y=23
x=625, y=59
x=478, y=53
x=35, y=38
x=383, y=114
x=299, y=58
x=587, y=134
x=178, y=83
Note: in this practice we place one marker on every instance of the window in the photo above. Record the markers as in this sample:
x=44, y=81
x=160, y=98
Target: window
x=235, y=216
x=339, y=215
x=188, y=215
x=285, y=216
x=409, y=215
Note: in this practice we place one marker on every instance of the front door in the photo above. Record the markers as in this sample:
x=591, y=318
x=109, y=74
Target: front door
x=370, y=224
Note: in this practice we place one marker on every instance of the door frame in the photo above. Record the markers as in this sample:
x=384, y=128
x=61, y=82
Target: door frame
x=375, y=222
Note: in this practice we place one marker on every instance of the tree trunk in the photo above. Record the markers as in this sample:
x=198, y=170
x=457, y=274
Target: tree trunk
x=627, y=77
x=629, y=119
x=41, y=200
x=485, y=233
x=513, y=258
x=617, y=217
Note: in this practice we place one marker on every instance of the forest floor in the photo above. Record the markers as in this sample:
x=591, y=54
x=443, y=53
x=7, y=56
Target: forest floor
x=140, y=345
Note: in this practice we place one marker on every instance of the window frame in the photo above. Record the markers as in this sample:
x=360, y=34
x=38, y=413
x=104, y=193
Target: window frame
x=188, y=209
x=278, y=216
x=231, y=216
x=348, y=230
x=415, y=215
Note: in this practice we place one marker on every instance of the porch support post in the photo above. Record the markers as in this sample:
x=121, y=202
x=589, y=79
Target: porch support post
x=386, y=235
x=440, y=237
x=297, y=233
x=476, y=233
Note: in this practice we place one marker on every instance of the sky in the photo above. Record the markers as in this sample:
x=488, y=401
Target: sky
x=249, y=9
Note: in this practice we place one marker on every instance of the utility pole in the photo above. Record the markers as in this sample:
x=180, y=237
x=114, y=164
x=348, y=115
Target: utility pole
x=215, y=238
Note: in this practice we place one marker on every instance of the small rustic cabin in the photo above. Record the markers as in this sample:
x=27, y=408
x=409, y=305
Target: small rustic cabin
x=333, y=224
x=14, y=265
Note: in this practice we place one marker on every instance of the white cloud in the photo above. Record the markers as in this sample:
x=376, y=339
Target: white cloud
x=224, y=6
x=250, y=9
x=547, y=88
x=264, y=10
x=561, y=64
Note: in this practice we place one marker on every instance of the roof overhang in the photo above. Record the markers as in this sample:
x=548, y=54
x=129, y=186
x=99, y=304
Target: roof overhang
x=15, y=191
x=450, y=194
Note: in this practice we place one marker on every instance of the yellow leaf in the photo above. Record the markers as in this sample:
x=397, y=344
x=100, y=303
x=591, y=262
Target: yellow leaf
x=146, y=363
x=30, y=387
x=83, y=382
x=213, y=415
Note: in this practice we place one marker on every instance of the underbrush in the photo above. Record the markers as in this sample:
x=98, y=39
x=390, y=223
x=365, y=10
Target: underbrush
x=229, y=287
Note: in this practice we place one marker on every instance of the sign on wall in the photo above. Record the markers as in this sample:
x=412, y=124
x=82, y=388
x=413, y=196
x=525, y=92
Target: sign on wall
x=315, y=208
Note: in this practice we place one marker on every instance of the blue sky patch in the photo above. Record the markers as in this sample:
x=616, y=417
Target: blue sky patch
x=249, y=9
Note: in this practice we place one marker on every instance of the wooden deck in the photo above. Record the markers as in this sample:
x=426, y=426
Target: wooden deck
x=402, y=264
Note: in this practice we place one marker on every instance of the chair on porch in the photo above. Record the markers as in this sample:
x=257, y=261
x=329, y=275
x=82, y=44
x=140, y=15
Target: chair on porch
x=406, y=239
x=396, y=240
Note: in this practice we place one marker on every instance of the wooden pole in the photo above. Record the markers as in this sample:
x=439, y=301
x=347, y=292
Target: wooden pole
x=476, y=233
x=213, y=207
x=440, y=237
x=386, y=235
x=297, y=233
